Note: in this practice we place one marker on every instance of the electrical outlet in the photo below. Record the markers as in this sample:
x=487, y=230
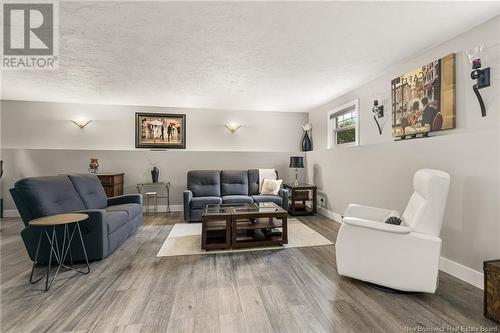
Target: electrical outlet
x=322, y=201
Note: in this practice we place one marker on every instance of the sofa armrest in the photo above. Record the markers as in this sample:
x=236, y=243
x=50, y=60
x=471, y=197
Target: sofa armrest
x=284, y=193
x=380, y=226
x=96, y=218
x=188, y=196
x=95, y=233
x=125, y=199
x=369, y=213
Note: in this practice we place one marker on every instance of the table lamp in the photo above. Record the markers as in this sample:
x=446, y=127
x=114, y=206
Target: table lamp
x=296, y=162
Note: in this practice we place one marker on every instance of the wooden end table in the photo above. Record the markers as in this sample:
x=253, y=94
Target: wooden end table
x=60, y=253
x=300, y=195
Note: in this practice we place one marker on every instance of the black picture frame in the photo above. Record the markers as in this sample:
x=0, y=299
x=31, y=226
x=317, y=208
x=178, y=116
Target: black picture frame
x=139, y=137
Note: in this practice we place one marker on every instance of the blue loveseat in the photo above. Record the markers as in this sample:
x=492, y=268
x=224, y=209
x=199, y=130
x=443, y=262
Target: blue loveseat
x=111, y=220
x=226, y=186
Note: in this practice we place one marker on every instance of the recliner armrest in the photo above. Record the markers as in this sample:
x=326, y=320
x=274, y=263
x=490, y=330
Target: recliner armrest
x=284, y=193
x=95, y=233
x=96, y=218
x=369, y=213
x=187, y=196
x=380, y=226
x=125, y=199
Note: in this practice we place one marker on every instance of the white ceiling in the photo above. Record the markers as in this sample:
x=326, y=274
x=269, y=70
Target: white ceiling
x=279, y=56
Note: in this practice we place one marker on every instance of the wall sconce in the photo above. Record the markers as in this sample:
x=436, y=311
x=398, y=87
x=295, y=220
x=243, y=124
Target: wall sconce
x=81, y=123
x=232, y=127
x=378, y=111
x=482, y=76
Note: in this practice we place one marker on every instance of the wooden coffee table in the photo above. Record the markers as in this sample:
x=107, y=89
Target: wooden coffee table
x=244, y=225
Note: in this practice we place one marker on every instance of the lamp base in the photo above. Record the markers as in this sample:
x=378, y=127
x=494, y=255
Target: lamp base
x=296, y=182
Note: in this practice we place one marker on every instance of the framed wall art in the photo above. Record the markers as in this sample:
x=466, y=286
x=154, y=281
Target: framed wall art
x=160, y=130
x=423, y=100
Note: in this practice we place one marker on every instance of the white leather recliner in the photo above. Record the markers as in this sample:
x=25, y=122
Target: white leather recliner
x=403, y=257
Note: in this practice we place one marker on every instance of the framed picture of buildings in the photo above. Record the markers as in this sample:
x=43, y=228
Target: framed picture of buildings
x=423, y=100
x=160, y=130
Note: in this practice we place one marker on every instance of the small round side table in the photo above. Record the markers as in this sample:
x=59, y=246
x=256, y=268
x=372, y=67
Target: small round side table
x=60, y=253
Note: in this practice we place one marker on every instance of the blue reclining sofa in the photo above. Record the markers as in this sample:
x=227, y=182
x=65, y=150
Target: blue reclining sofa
x=111, y=220
x=226, y=186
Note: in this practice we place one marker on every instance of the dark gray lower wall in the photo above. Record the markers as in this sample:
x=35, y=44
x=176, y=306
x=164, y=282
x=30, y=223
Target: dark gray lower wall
x=136, y=165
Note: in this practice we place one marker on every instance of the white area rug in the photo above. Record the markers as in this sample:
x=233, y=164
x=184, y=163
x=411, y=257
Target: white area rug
x=185, y=239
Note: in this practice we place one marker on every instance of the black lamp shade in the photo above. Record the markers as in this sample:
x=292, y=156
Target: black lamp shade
x=296, y=162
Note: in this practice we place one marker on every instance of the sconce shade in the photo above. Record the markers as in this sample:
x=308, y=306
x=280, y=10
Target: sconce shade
x=232, y=127
x=474, y=55
x=81, y=123
x=296, y=162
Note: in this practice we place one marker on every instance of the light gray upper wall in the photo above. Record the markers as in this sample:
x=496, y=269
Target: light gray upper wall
x=379, y=172
x=38, y=139
x=43, y=125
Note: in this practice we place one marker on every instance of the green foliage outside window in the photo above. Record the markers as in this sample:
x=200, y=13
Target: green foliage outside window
x=346, y=136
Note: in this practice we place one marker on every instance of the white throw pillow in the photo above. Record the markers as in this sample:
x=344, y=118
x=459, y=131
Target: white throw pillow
x=270, y=186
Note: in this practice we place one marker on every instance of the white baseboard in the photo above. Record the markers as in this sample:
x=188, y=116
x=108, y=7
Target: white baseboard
x=462, y=272
x=455, y=269
x=10, y=213
x=330, y=214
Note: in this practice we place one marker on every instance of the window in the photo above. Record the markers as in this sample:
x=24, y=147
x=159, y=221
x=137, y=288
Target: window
x=343, y=125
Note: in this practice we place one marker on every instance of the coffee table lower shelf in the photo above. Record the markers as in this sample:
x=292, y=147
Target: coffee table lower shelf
x=258, y=233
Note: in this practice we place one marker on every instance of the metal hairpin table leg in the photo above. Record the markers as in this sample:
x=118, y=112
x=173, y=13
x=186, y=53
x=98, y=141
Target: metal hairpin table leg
x=60, y=254
x=36, y=259
x=84, y=251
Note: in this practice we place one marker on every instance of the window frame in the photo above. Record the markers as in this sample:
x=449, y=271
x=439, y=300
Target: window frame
x=332, y=124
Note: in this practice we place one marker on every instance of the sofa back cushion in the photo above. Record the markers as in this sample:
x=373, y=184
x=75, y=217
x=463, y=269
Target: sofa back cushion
x=234, y=182
x=204, y=183
x=48, y=195
x=253, y=182
x=90, y=190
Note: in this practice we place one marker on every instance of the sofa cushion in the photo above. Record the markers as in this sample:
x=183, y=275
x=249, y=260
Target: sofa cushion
x=234, y=182
x=268, y=198
x=200, y=202
x=131, y=209
x=253, y=181
x=204, y=183
x=90, y=190
x=237, y=199
x=115, y=220
x=49, y=195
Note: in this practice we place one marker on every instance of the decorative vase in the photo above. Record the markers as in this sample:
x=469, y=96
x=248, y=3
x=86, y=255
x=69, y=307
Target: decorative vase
x=94, y=165
x=1, y=169
x=306, y=142
x=155, y=174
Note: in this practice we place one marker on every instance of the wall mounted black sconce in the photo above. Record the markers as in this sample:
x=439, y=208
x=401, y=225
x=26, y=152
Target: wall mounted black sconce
x=482, y=76
x=378, y=111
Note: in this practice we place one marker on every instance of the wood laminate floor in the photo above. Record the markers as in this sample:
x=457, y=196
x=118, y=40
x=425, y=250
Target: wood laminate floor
x=290, y=290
